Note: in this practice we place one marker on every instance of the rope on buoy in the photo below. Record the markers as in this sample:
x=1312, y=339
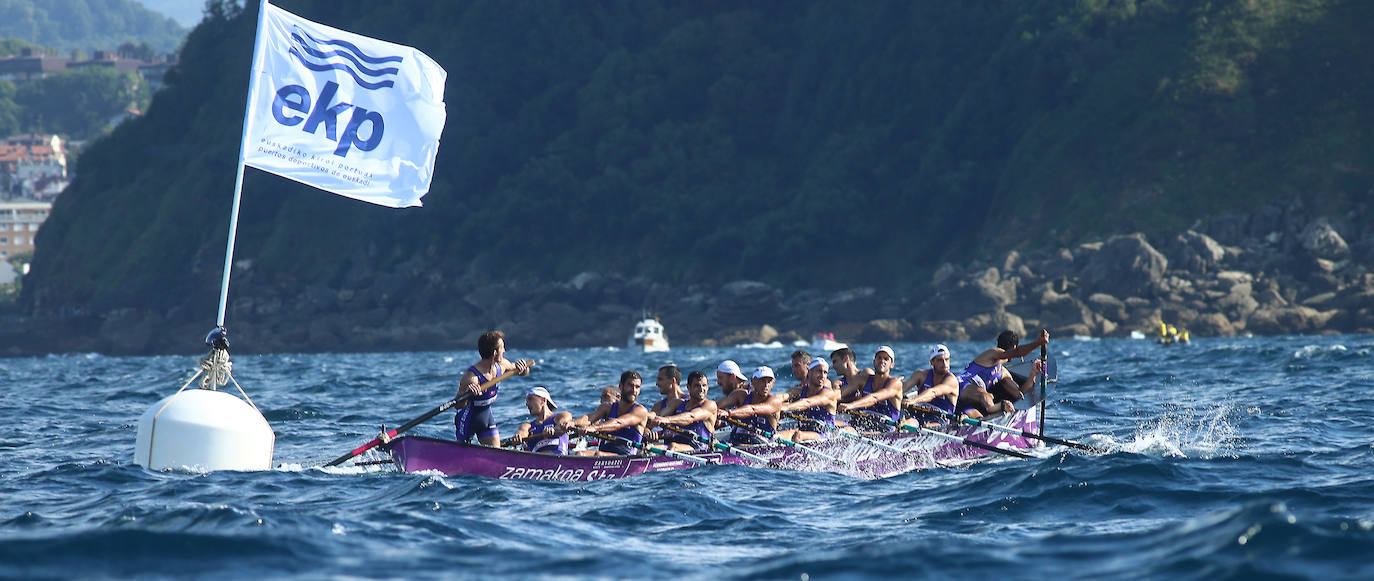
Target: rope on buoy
x=217, y=368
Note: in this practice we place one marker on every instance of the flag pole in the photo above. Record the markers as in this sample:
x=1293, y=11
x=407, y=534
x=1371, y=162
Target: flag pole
x=253, y=72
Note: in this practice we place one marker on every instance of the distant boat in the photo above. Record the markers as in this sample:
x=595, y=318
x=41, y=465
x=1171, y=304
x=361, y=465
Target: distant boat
x=824, y=343
x=649, y=336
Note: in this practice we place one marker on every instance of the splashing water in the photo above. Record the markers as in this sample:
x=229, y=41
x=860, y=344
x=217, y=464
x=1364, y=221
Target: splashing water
x=1184, y=431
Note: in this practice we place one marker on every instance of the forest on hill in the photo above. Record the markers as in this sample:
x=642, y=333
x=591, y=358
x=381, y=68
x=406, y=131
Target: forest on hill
x=77, y=104
x=805, y=143
x=88, y=25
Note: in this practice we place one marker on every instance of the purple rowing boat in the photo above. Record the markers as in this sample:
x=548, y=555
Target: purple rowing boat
x=838, y=454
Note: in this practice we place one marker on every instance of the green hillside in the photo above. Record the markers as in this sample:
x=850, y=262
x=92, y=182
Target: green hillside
x=88, y=25
x=811, y=143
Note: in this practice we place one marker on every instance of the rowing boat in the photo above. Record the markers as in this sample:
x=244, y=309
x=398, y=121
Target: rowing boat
x=860, y=459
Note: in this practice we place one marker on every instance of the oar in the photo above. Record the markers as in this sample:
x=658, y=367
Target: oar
x=1000, y=428
x=1044, y=386
x=648, y=447
x=857, y=437
x=386, y=437
x=786, y=442
x=954, y=438
x=722, y=446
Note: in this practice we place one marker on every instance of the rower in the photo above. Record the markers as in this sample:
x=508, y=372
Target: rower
x=759, y=409
x=729, y=378
x=879, y=399
x=473, y=417
x=977, y=401
x=623, y=418
x=843, y=358
x=815, y=403
x=609, y=394
x=548, y=430
x=669, y=383
x=801, y=365
x=935, y=386
x=695, y=414
x=995, y=379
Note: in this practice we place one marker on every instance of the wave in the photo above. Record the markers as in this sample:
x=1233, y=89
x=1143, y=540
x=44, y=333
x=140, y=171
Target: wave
x=306, y=49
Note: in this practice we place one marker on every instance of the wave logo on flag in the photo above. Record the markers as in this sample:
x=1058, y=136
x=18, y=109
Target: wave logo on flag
x=324, y=59
x=342, y=112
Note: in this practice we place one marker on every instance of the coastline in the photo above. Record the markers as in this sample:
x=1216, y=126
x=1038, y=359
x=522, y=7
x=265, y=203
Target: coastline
x=1263, y=274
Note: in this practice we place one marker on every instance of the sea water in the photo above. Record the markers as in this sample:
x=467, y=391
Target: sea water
x=1226, y=458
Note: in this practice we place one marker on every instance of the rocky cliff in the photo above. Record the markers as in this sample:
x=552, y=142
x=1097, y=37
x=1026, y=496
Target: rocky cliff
x=1278, y=270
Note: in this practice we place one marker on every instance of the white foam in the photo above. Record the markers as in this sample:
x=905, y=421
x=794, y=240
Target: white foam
x=772, y=345
x=1308, y=351
x=1203, y=431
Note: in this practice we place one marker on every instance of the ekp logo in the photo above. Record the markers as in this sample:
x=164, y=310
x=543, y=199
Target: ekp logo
x=321, y=55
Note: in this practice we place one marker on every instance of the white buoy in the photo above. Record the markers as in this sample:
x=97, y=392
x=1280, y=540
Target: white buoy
x=202, y=429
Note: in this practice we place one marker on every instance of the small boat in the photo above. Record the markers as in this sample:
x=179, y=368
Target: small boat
x=824, y=343
x=649, y=336
x=857, y=458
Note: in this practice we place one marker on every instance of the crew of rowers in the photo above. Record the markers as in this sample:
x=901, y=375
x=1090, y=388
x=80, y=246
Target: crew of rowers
x=874, y=399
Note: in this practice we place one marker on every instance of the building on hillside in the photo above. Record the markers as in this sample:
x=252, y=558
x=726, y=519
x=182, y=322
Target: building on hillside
x=47, y=188
x=107, y=58
x=19, y=223
x=31, y=64
x=26, y=161
x=153, y=72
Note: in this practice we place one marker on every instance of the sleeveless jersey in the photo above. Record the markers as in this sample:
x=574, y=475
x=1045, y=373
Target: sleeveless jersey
x=741, y=436
x=558, y=445
x=818, y=418
x=487, y=397
x=884, y=408
x=941, y=403
x=989, y=375
x=630, y=433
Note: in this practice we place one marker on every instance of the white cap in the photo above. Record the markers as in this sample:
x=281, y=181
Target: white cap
x=544, y=393
x=939, y=350
x=764, y=371
x=731, y=368
x=818, y=362
x=889, y=351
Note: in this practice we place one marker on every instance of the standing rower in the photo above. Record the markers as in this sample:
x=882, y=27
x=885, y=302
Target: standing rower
x=696, y=414
x=879, y=399
x=547, y=431
x=623, y=418
x=759, y=409
x=473, y=417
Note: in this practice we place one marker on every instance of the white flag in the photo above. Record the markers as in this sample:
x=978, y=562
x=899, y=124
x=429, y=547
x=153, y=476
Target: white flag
x=345, y=113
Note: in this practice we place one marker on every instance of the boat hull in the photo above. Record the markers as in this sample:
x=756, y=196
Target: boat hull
x=855, y=458
x=418, y=454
